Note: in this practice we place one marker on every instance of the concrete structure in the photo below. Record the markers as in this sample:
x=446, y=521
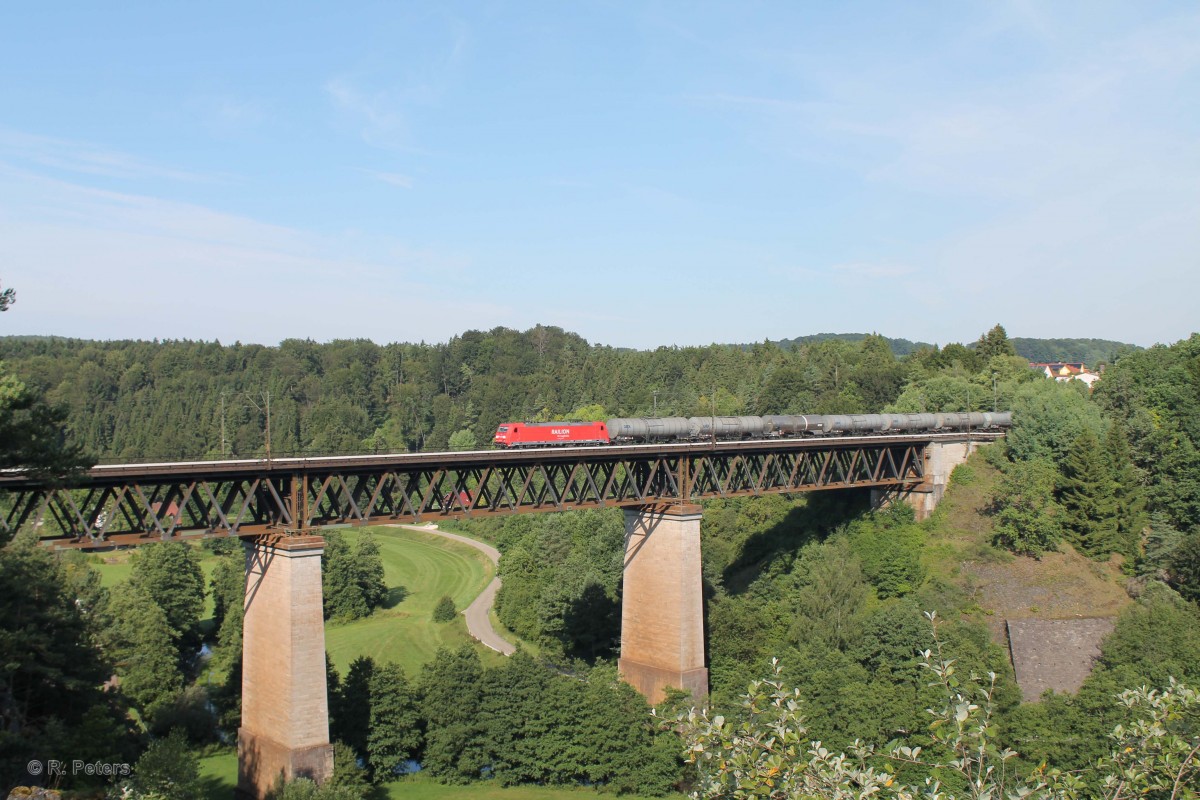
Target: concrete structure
x=940, y=460
x=285, y=709
x=1055, y=654
x=662, y=602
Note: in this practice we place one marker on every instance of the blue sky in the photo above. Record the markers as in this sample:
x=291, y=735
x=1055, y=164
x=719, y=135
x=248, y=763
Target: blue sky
x=643, y=174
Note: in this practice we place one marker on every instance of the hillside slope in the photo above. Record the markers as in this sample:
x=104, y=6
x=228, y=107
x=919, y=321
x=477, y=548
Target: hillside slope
x=1000, y=586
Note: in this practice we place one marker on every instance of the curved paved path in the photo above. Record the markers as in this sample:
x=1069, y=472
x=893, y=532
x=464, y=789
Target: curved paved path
x=478, y=624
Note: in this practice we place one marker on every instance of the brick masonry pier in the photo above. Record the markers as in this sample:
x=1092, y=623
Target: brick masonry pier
x=285, y=709
x=662, y=602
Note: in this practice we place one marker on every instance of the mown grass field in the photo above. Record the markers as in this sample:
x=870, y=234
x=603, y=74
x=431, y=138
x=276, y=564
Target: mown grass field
x=418, y=568
x=219, y=773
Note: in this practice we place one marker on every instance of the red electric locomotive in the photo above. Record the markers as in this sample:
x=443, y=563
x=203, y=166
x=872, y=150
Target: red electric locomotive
x=550, y=434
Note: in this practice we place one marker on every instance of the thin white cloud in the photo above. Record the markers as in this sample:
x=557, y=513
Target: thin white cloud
x=380, y=113
x=392, y=178
x=84, y=158
x=379, y=95
x=875, y=270
x=96, y=263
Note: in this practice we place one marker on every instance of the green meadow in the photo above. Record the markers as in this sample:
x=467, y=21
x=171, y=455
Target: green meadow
x=418, y=568
x=219, y=774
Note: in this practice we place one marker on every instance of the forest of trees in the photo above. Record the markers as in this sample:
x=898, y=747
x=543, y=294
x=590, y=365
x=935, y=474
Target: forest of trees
x=129, y=400
x=832, y=590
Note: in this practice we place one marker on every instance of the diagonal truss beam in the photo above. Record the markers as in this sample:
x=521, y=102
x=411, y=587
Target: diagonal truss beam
x=177, y=503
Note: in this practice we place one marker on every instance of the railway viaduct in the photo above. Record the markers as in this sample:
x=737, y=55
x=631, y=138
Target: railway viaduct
x=278, y=506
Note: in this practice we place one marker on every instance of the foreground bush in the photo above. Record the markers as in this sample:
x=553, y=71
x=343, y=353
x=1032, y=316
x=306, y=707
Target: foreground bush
x=769, y=755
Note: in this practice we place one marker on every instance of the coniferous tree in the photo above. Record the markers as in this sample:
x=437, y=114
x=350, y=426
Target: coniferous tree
x=1185, y=566
x=370, y=572
x=342, y=593
x=49, y=665
x=351, y=706
x=615, y=743
x=1087, y=493
x=1129, y=499
x=394, y=734
x=352, y=580
x=228, y=586
x=444, y=611
x=517, y=699
x=348, y=776
x=994, y=343
x=31, y=433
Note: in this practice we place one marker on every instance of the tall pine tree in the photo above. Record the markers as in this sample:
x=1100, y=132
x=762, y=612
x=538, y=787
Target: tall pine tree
x=1087, y=493
x=170, y=574
x=351, y=706
x=139, y=641
x=1129, y=498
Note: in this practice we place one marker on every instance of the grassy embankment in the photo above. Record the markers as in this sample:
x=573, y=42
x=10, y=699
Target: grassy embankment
x=999, y=585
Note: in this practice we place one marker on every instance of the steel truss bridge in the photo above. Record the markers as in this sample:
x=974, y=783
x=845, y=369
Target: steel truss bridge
x=133, y=504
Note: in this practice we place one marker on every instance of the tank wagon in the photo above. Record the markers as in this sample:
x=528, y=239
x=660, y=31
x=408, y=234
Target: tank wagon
x=628, y=430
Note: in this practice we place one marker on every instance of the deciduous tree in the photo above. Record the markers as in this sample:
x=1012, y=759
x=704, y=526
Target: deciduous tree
x=169, y=573
x=394, y=726
x=140, y=642
x=1027, y=517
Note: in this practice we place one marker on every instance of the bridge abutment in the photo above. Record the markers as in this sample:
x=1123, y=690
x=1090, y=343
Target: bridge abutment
x=662, y=602
x=940, y=460
x=285, y=709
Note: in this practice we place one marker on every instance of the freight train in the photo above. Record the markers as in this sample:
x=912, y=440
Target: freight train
x=638, y=430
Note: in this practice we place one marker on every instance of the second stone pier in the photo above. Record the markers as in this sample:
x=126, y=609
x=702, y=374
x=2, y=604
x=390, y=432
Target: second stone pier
x=662, y=602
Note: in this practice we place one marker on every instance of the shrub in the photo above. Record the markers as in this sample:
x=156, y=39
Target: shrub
x=444, y=611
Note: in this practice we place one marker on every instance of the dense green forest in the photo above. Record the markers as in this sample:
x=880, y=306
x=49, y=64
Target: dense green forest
x=128, y=400
x=901, y=347
x=1089, y=351
x=1092, y=352
x=833, y=590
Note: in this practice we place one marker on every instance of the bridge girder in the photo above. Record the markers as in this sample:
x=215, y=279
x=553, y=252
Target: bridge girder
x=132, y=504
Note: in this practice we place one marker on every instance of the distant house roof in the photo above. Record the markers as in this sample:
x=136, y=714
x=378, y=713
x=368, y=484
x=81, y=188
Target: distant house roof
x=1065, y=371
x=1058, y=366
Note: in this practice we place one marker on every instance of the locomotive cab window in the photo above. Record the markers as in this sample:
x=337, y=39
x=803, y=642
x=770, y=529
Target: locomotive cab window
x=503, y=429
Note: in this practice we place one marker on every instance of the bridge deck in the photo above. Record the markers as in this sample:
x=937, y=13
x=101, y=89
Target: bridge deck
x=140, y=503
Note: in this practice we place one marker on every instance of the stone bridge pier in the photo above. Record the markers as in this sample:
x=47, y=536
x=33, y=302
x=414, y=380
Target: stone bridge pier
x=285, y=708
x=662, y=602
